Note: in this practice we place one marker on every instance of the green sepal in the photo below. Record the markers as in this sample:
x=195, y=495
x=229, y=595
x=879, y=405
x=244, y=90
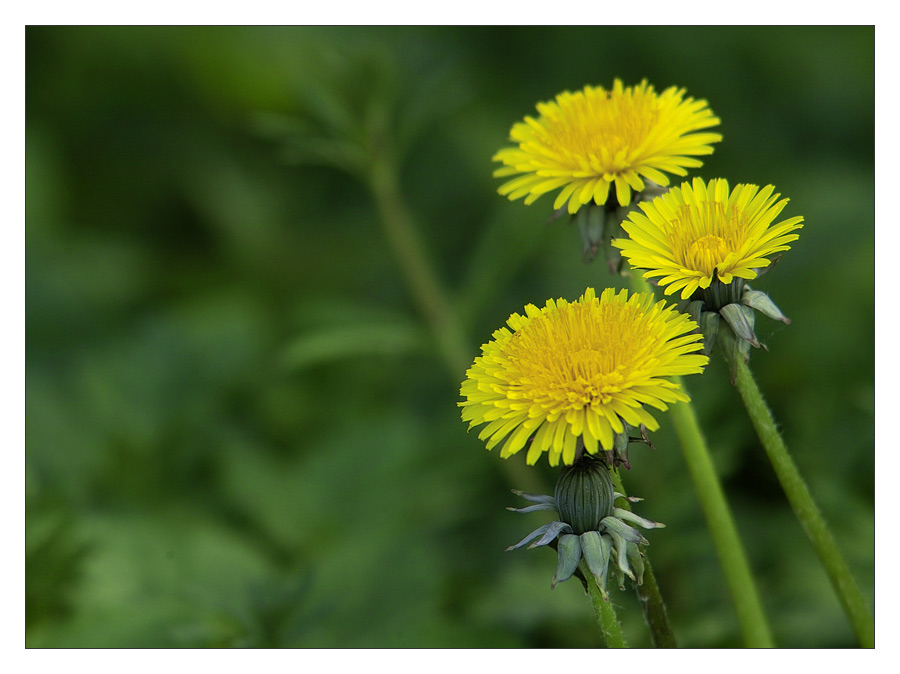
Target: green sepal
x=535, y=498
x=569, y=554
x=553, y=530
x=709, y=326
x=596, y=555
x=533, y=508
x=618, y=528
x=620, y=449
x=540, y=531
x=719, y=295
x=591, y=221
x=733, y=349
x=629, y=516
x=620, y=577
x=636, y=559
x=695, y=310
x=740, y=319
x=606, y=550
x=621, y=547
x=630, y=499
x=757, y=299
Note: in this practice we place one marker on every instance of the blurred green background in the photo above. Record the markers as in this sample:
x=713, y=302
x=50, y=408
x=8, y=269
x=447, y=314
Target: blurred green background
x=239, y=429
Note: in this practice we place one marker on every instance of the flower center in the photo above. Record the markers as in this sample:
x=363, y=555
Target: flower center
x=578, y=354
x=708, y=250
x=707, y=235
x=598, y=130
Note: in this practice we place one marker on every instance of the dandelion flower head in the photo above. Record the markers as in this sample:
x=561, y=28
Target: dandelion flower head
x=587, y=141
x=579, y=369
x=698, y=232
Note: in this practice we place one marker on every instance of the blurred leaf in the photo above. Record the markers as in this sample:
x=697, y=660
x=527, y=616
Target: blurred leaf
x=361, y=340
x=300, y=145
x=54, y=557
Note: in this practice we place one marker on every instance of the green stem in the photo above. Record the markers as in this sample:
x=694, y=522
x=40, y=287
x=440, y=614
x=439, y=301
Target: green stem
x=719, y=520
x=655, y=609
x=610, y=629
x=805, y=508
x=649, y=594
x=722, y=527
x=430, y=298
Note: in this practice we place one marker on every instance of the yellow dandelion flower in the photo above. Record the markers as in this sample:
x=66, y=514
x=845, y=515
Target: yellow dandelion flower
x=579, y=369
x=585, y=141
x=699, y=232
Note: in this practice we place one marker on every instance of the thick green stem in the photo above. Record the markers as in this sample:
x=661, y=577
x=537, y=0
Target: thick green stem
x=805, y=508
x=722, y=527
x=610, y=629
x=649, y=594
x=719, y=520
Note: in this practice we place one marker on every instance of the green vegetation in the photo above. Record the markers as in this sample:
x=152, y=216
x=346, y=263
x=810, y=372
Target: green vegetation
x=240, y=429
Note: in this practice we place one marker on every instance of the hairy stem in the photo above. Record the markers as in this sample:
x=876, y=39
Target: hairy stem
x=610, y=629
x=722, y=528
x=805, y=508
x=719, y=519
x=649, y=594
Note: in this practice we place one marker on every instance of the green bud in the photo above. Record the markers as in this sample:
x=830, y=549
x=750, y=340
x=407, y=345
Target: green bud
x=584, y=494
x=719, y=294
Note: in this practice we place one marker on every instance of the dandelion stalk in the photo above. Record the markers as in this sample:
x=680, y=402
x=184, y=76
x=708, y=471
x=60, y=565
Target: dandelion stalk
x=720, y=521
x=722, y=528
x=805, y=508
x=649, y=594
x=607, y=621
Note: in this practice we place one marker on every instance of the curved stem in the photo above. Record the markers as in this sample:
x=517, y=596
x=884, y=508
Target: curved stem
x=719, y=519
x=805, y=508
x=610, y=629
x=429, y=296
x=649, y=594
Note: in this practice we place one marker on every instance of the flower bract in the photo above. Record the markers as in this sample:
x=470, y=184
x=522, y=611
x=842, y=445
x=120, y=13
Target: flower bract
x=580, y=369
x=591, y=140
x=590, y=526
x=696, y=233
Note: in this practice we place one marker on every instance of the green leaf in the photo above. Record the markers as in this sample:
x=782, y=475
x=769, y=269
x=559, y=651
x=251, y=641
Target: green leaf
x=336, y=343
